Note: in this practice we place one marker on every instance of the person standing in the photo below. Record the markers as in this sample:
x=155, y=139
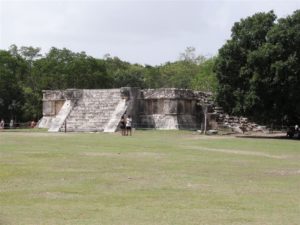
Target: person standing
x=123, y=125
x=11, y=124
x=128, y=125
x=2, y=124
x=32, y=124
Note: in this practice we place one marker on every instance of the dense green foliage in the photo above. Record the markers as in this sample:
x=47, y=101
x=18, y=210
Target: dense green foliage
x=206, y=79
x=258, y=69
x=25, y=72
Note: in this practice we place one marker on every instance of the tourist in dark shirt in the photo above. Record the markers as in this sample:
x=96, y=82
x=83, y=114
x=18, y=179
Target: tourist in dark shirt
x=123, y=125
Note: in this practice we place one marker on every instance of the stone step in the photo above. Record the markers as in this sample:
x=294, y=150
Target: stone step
x=94, y=110
x=61, y=116
x=113, y=123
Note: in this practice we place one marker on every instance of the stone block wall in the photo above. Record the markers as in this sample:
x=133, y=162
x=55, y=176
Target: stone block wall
x=170, y=108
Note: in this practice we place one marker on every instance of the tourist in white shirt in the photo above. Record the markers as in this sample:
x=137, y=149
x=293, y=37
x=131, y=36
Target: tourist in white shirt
x=128, y=125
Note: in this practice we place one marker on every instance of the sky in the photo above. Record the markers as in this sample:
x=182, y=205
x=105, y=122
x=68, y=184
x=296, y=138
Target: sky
x=148, y=32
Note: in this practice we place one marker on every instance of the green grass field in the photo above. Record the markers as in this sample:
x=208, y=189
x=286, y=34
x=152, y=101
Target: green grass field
x=151, y=178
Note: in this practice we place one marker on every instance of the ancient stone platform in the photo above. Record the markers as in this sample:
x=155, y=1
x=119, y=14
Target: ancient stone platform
x=101, y=109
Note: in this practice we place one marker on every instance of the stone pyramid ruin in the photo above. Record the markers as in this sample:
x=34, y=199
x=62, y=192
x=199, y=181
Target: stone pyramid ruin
x=94, y=110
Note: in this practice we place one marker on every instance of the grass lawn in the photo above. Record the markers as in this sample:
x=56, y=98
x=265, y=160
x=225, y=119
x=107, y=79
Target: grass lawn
x=151, y=178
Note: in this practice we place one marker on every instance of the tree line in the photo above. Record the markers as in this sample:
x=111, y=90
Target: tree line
x=256, y=73
x=258, y=69
x=25, y=72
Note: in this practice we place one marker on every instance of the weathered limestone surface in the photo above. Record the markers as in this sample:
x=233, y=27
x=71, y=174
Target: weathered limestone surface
x=45, y=122
x=60, y=118
x=174, y=93
x=127, y=105
x=53, y=102
x=170, y=108
x=93, y=111
x=101, y=110
x=114, y=120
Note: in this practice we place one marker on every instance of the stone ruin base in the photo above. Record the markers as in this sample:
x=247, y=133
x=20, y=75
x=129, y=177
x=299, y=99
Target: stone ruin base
x=101, y=110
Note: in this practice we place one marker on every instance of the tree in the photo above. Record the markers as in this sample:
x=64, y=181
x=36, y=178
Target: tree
x=258, y=69
x=205, y=79
x=132, y=76
x=25, y=72
x=277, y=71
x=124, y=74
x=182, y=73
x=11, y=96
x=178, y=74
x=189, y=55
x=62, y=68
x=31, y=108
x=152, y=77
x=231, y=64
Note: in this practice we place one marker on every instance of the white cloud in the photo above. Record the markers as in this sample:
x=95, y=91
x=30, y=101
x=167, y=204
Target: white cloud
x=147, y=32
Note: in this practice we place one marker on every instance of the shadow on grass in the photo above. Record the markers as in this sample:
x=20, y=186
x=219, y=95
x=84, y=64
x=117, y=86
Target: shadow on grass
x=282, y=137
x=28, y=130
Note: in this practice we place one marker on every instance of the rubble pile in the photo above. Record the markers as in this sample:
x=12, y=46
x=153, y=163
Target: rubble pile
x=235, y=123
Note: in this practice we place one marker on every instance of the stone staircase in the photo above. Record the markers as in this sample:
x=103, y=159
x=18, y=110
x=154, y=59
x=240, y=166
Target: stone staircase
x=45, y=122
x=94, y=110
x=60, y=118
x=113, y=123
